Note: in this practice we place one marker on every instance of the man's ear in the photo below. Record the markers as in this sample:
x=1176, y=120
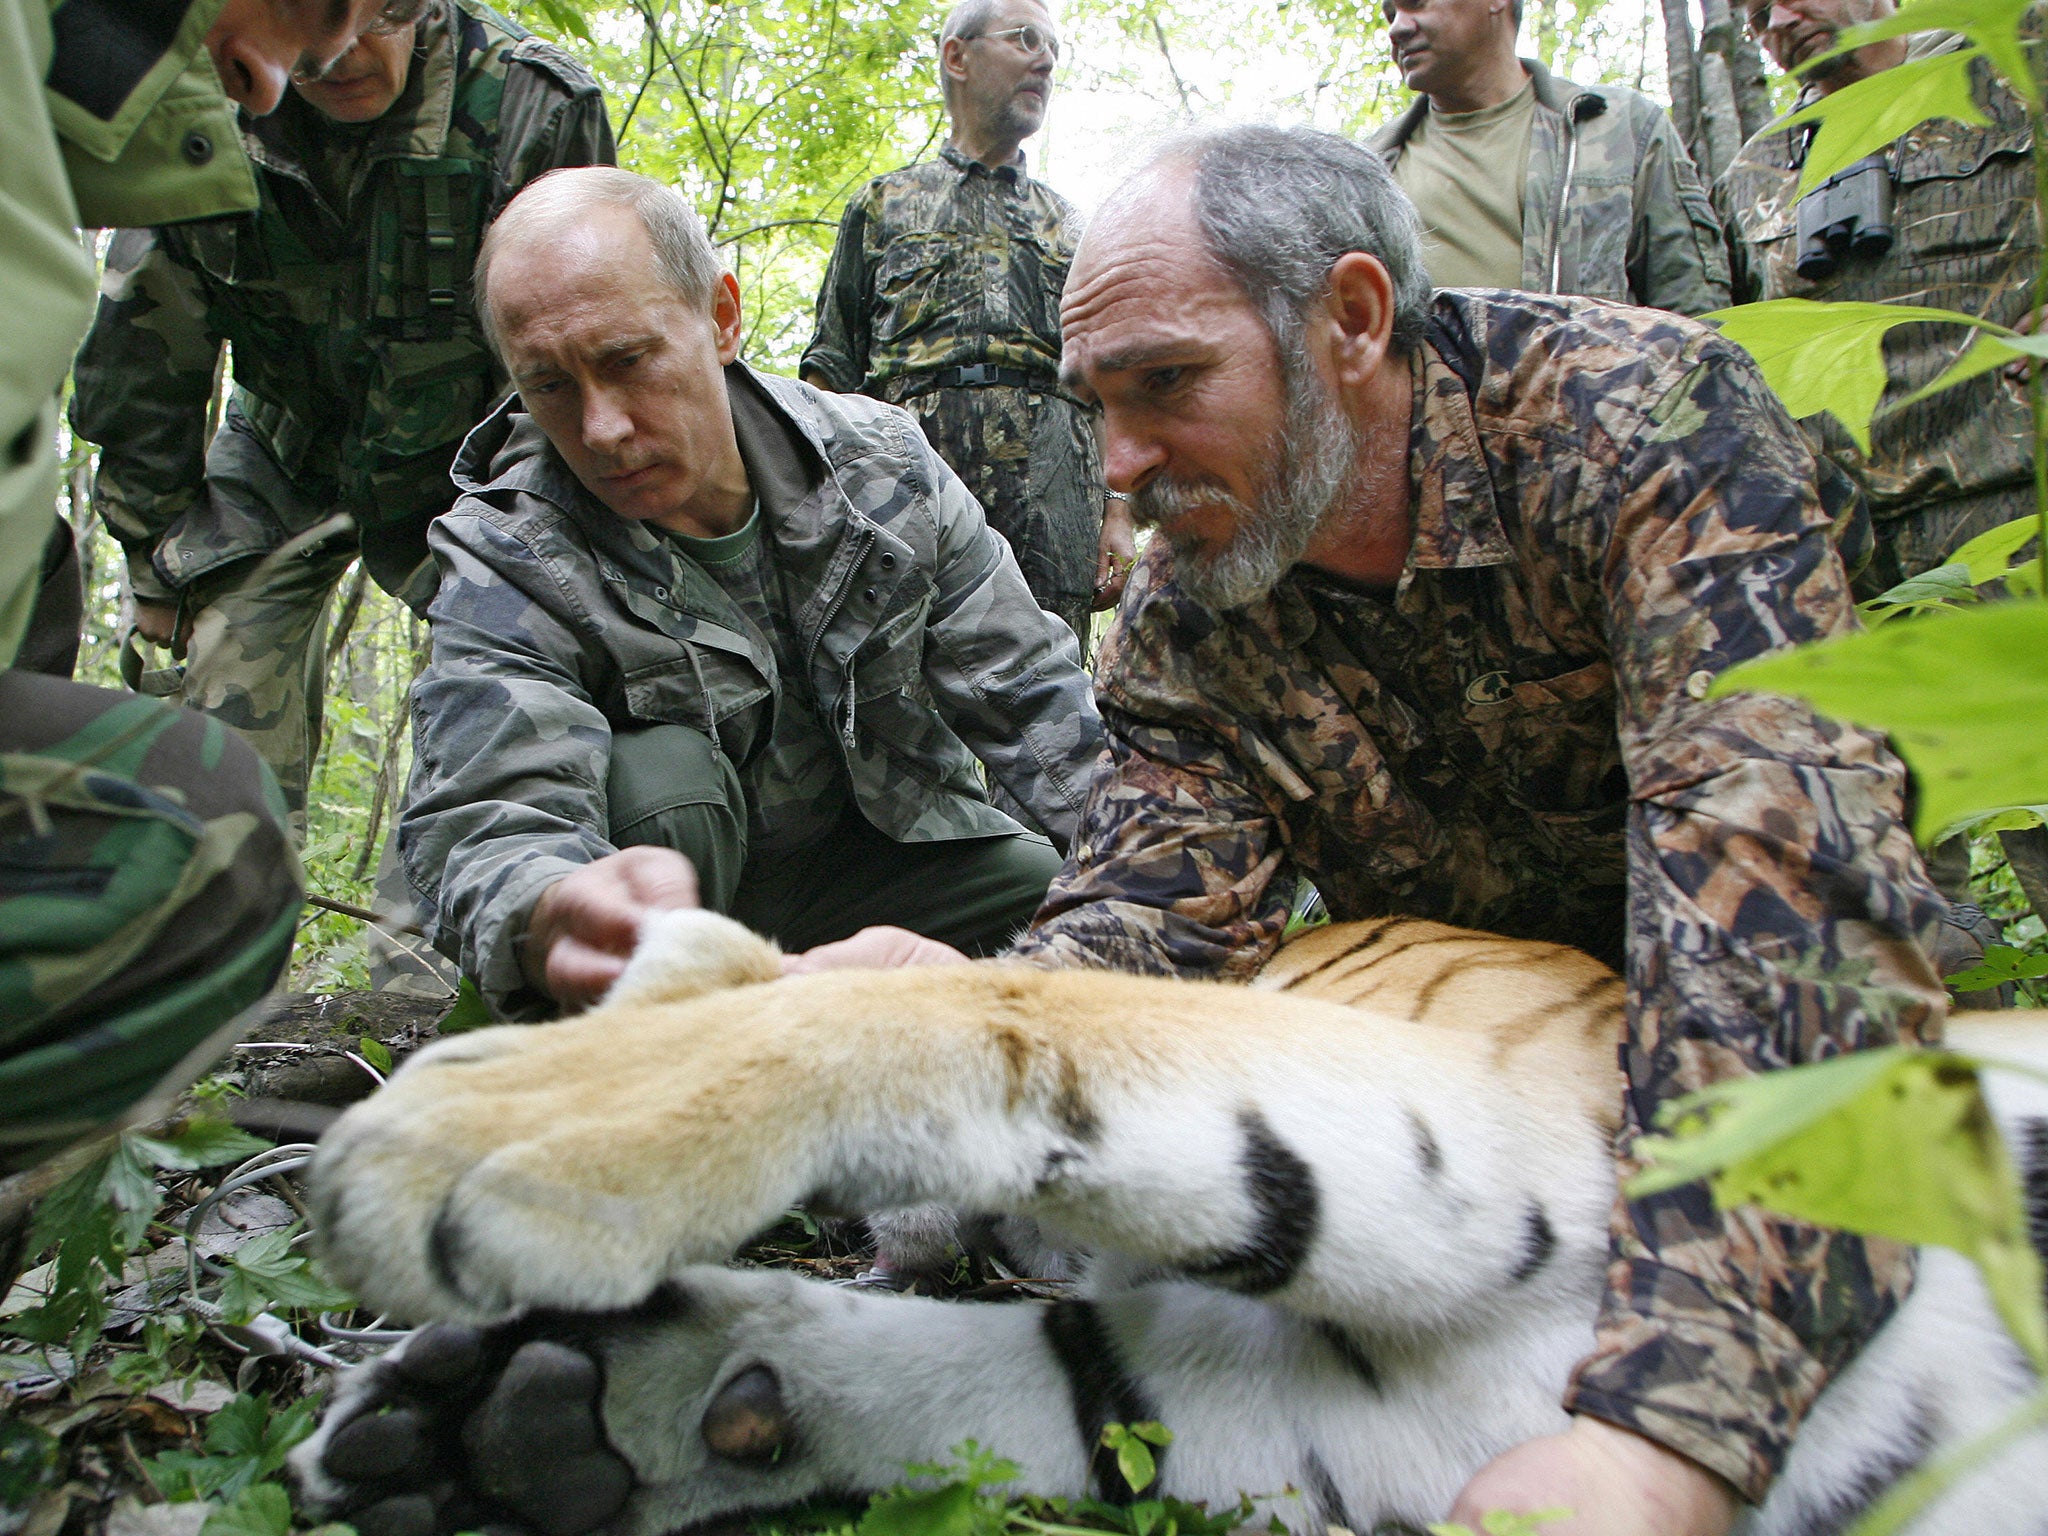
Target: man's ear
x=726, y=317
x=1359, y=305
x=953, y=58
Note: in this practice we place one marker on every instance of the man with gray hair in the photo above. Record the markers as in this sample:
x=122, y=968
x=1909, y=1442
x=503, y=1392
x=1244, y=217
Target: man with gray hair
x=707, y=636
x=943, y=297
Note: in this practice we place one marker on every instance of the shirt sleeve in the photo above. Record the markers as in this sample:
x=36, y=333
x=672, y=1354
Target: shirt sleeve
x=1174, y=869
x=1776, y=912
x=510, y=754
x=838, y=352
x=142, y=383
x=1677, y=259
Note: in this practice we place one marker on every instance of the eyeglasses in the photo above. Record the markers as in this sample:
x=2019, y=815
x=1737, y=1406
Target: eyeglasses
x=1034, y=40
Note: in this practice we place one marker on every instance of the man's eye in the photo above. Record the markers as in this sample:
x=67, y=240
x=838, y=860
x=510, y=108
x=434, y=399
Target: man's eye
x=1161, y=380
x=544, y=387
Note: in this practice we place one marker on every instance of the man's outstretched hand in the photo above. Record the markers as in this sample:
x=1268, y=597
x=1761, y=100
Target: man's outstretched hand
x=873, y=949
x=1613, y=1482
x=585, y=925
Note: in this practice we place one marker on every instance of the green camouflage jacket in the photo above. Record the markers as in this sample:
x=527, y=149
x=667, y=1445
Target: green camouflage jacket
x=1612, y=207
x=940, y=264
x=557, y=619
x=1966, y=238
x=357, y=357
x=104, y=123
x=1610, y=508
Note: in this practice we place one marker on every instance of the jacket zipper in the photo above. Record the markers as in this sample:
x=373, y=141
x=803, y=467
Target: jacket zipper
x=867, y=537
x=1564, y=192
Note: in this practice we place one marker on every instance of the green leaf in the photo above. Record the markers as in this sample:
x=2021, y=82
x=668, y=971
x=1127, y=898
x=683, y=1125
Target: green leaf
x=2001, y=963
x=1863, y=118
x=263, y=1509
x=1991, y=349
x=265, y=1272
x=200, y=1143
x=945, y=1511
x=1827, y=357
x=2014, y=818
x=1963, y=693
x=1134, y=1461
x=470, y=1010
x=1989, y=555
x=1152, y=1430
x=1992, y=25
x=1943, y=587
x=1896, y=1143
x=375, y=1053
x=565, y=16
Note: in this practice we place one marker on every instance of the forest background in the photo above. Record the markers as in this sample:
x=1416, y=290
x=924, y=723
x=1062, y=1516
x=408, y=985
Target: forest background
x=771, y=114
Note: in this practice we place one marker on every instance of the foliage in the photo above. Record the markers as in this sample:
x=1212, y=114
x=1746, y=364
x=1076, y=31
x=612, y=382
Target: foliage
x=246, y=1442
x=1962, y=693
x=1501, y=1522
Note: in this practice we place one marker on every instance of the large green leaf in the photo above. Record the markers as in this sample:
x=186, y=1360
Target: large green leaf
x=1862, y=118
x=1963, y=692
x=1992, y=25
x=1994, y=347
x=1896, y=1143
x=1826, y=357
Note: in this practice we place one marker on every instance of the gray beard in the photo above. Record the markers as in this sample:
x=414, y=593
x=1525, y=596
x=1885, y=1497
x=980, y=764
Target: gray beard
x=1314, y=468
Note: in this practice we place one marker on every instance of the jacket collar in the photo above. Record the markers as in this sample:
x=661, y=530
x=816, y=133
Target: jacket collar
x=1451, y=498
x=1016, y=171
x=1574, y=102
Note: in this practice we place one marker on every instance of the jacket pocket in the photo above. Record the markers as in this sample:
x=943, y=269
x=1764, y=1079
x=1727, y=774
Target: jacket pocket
x=913, y=285
x=1551, y=742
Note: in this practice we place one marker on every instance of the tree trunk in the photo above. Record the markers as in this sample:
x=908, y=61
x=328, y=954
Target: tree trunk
x=1721, y=131
x=1752, y=85
x=1682, y=73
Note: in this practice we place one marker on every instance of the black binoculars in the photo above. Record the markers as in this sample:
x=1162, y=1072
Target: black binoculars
x=1849, y=214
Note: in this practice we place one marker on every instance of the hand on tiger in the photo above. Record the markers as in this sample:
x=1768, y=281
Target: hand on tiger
x=1613, y=1482
x=873, y=949
x=584, y=926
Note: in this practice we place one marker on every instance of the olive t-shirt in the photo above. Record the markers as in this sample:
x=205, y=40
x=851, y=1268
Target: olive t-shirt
x=1464, y=171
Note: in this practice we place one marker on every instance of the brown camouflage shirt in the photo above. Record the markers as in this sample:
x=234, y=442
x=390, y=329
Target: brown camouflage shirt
x=1610, y=507
x=1965, y=238
x=942, y=264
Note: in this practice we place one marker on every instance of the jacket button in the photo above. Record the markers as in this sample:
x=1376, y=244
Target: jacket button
x=888, y=561
x=197, y=148
x=869, y=595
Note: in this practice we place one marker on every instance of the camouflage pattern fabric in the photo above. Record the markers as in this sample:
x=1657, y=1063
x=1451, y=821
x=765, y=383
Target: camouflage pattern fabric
x=93, y=113
x=557, y=622
x=359, y=365
x=1612, y=207
x=949, y=264
x=1966, y=238
x=148, y=893
x=1610, y=508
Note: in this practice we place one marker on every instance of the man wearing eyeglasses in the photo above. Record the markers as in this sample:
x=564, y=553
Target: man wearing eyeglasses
x=1944, y=218
x=358, y=363
x=943, y=297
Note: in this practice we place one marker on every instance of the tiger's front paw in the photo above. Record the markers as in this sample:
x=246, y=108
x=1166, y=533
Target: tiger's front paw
x=460, y=1430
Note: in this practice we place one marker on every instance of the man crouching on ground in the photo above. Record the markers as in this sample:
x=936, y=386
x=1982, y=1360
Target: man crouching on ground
x=706, y=636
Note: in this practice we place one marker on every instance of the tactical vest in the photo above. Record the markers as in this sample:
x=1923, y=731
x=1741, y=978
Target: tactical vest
x=357, y=354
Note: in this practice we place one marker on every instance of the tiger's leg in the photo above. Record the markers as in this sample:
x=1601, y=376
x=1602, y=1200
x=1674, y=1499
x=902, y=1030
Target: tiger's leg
x=1346, y=1166
x=735, y=1393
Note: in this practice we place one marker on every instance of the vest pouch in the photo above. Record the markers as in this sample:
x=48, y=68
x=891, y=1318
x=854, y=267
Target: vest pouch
x=428, y=228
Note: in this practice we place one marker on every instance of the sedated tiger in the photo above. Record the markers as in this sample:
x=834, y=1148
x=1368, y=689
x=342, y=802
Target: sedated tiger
x=1343, y=1232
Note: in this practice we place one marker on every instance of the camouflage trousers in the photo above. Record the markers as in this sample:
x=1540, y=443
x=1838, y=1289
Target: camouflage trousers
x=1030, y=459
x=670, y=787
x=148, y=893
x=257, y=651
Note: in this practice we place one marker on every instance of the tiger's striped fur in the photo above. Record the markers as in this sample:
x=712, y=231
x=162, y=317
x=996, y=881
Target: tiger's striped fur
x=1346, y=1227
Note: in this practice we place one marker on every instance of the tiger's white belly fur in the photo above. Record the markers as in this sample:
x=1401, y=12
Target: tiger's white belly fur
x=1337, y=1253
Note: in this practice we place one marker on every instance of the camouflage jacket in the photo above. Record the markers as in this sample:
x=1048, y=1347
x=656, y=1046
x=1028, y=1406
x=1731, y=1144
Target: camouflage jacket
x=940, y=264
x=104, y=123
x=1611, y=207
x=357, y=357
x=1965, y=238
x=1609, y=508
x=556, y=619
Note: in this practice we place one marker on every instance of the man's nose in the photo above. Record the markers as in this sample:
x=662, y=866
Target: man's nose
x=250, y=74
x=1129, y=457
x=606, y=421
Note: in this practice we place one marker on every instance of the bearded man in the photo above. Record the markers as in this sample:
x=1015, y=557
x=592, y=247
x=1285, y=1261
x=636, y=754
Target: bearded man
x=1441, y=587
